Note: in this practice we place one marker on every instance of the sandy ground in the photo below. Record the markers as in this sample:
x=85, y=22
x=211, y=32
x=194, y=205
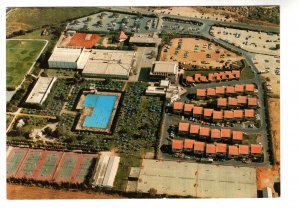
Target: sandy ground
x=28, y=192
x=269, y=64
x=267, y=176
x=248, y=40
x=105, y=43
x=196, y=57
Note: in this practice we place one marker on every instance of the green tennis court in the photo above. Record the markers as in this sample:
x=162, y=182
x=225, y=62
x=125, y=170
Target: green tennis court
x=84, y=169
x=67, y=167
x=31, y=163
x=14, y=162
x=48, y=166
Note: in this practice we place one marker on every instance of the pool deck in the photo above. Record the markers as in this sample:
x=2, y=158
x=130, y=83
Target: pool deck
x=87, y=111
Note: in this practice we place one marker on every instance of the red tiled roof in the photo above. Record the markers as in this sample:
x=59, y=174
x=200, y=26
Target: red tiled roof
x=122, y=35
x=210, y=77
x=243, y=149
x=238, y=114
x=252, y=101
x=197, y=77
x=225, y=133
x=232, y=101
x=203, y=79
x=177, y=144
x=215, y=133
x=242, y=100
x=231, y=76
x=208, y=112
x=220, y=90
x=194, y=129
x=237, y=73
x=237, y=135
x=228, y=114
x=188, y=107
x=230, y=90
x=188, y=143
x=218, y=115
x=233, y=150
x=178, y=106
x=199, y=146
x=201, y=92
x=221, y=148
x=223, y=76
x=190, y=79
x=249, y=87
x=210, y=149
x=227, y=72
x=217, y=77
x=249, y=113
x=204, y=131
x=222, y=101
x=184, y=127
x=256, y=149
x=211, y=92
x=239, y=88
x=197, y=110
x=80, y=40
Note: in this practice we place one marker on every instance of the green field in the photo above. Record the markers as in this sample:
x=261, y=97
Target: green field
x=20, y=55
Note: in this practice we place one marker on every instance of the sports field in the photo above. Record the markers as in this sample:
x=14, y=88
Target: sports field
x=20, y=55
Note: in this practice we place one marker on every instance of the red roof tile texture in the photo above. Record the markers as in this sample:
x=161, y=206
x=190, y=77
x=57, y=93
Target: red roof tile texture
x=243, y=149
x=184, y=127
x=204, y=131
x=199, y=146
x=188, y=143
x=256, y=149
x=178, y=105
x=188, y=107
x=225, y=133
x=83, y=40
x=233, y=150
x=215, y=133
x=177, y=144
x=210, y=149
x=197, y=110
x=237, y=135
x=221, y=148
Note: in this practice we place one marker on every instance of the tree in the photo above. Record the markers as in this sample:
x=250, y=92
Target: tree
x=107, y=81
x=48, y=131
x=60, y=131
x=152, y=192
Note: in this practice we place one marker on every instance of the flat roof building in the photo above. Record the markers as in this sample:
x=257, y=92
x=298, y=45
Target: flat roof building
x=64, y=58
x=177, y=145
x=111, y=171
x=162, y=69
x=145, y=39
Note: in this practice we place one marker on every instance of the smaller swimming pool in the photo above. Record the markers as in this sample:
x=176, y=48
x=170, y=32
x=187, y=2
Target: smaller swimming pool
x=103, y=106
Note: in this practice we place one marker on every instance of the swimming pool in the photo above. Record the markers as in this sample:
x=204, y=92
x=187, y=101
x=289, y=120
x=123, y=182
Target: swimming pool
x=103, y=106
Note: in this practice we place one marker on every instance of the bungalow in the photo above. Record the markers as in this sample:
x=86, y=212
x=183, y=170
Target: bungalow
x=188, y=145
x=197, y=111
x=177, y=107
x=244, y=151
x=223, y=75
x=218, y=116
x=183, y=128
x=194, y=130
x=239, y=89
x=197, y=77
x=208, y=113
x=226, y=134
x=249, y=114
x=238, y=115
x=231, y=76
x=237, y=136
x=203, y=79
x=252, y=102
x=215, y=135
x=220, y=91
x=222, y=102
x=237, y=74
x=242, y=100
x=177, y=145
x=204, y=132
x=221, y=150
x=201, y=93
x=228, y=115
x=211, y=150
x=217, y=77
x=232, y=102
x=230, y=90
x=249, y=88
x=189, y=79
x=199, y=148
x=256, y=151
x=211, y=92
x=188, y=109
x=233, y=152
x=211, y=77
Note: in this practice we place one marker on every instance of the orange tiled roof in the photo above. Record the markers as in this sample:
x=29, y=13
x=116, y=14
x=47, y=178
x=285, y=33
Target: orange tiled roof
x=204, y=131
x=222, y=101
x=236, y=73
x=249, y=113
x=223, y=76
x=243, y=149
x=210, y=77
x=210, y=149
x=249, y=87
x=230, y=90
x=199, y=146
x=220, y=90
x=208, y=112
x=237, y=135
x=225, y=133
x=256, y=149
x=194, y=129
x=233, y=150
x=238, y=114
x=122, y=35
x=217, y=77
x=232, y=101
x=228, y=114
x=218, y=115
x=188, y=143
x=190, y=79
x=227, y=72
x=197, y=110
x=178, y=106
x=242, y=100
x=184, y=127
x=231, y=76
x=177, y=144
x=203, y=79
x=188, y=107
x=239, y=88
x=221, y=148
x=201, y=92
x=197, y=77
x=211, y=92
x=215, y=133
x=252, y=101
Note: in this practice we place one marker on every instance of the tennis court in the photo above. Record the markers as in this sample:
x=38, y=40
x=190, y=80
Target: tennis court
x=84, y=169
x=14, y=161
x=30, y=164
x=67, y=168
x=48, y=166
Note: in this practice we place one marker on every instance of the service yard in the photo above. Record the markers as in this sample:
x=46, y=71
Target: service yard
x=252, y=41
x=198, y=54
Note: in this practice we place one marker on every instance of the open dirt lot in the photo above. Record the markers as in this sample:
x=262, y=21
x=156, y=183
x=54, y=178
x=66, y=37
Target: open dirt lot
x=30, y=192
x=257, y=42
x=190, y=54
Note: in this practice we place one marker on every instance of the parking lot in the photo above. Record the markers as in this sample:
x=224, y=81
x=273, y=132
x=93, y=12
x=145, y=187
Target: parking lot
x=111, y=22
x=169, y=26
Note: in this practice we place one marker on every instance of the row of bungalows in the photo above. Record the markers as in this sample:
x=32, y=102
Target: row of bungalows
x=237, y=102
x=221, y=91
x=217, y=150
x=214, y=77
x=206, y=133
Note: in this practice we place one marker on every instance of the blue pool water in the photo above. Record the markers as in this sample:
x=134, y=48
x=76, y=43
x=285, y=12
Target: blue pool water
x=103, y=106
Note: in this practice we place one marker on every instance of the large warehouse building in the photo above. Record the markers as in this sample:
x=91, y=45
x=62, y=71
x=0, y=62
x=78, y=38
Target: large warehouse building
x=40, y=90
x=162, y=70
x=64, y=58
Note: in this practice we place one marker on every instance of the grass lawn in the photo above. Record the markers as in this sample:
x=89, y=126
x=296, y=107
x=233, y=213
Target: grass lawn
x=251, y=139
x=247, y=73
x=20, y=55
